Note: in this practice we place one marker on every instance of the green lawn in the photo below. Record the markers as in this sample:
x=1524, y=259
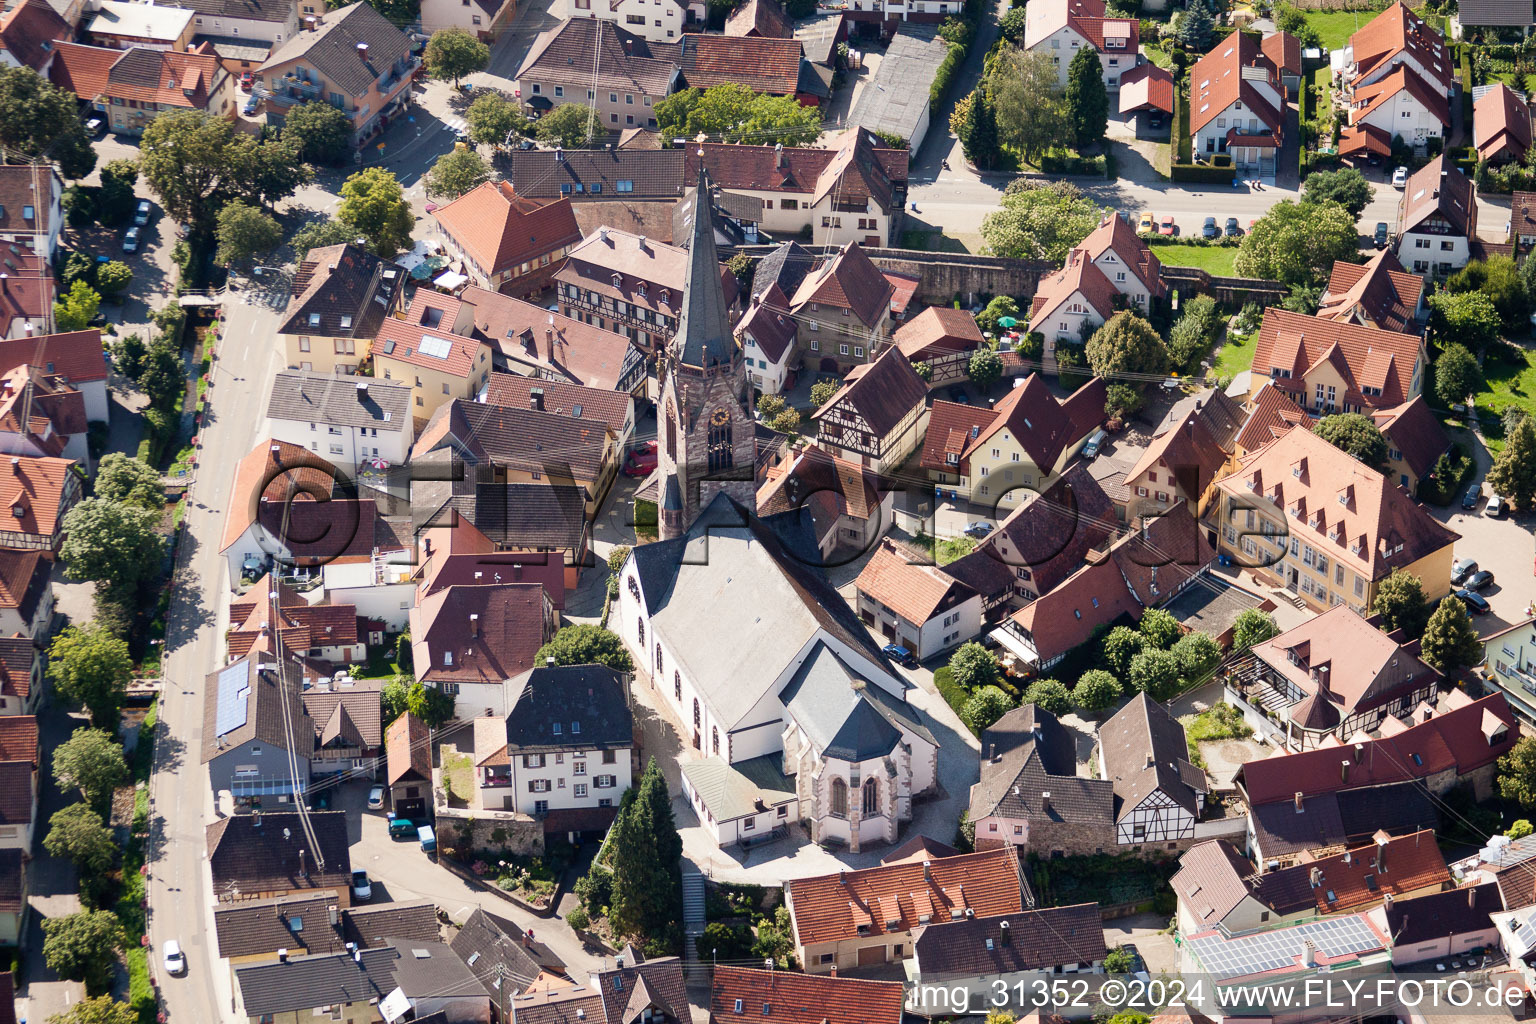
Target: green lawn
x=955, y=548
x=1335, y=27
x=1235, y=356
x=1214, y=259
x=1511, y=376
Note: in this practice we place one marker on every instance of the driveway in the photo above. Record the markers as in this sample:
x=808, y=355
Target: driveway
x=1146, y=933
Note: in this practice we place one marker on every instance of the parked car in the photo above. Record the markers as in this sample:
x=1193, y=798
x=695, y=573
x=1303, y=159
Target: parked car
x=251, y=105
x=427, y=838
x=1495, y=506
x=142, y=214
x=95, y=125
x=899, y=654
x=980, y=528
x=1400, y=178
x=1475, y=602
x=1146, y=225
x=1381, y=234
x=1480, y=580
x=175, y=960
x=1474, y=494
x=641, y=461
x=1210, y=230
x=959, y=397
x=247, y=80
x=1462, y=570
x=1165, y=226
x=402, y=828
x=1232, y=229
x=362, y=889
x=131, y=240
x=1095, y=442
x=376, y=798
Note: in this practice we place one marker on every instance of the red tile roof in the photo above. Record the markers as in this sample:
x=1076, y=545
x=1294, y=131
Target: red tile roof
x=1274, y=412
x=492, y=568
x=937, y=330
x=909, y=584
x=1189, y=451
x=1283, y=51
x=37, y=488
x=18, y=656
x=769, y=322
x=1293, y=343
x=848, y=280
x=166, y=78
x=500, y=230
x=782, y=997
x=273, y=471
x=1416, y=432
x=887, y=899
x=23, y=579
x=408, y=749
x=1081, y=276
x=1439, y=190
x=1364, y=138
x=30, y=31
x=1217, y=82
x=1398, y=32
x=18, y=738
x=1042, y=425
x=512, y=625
x=1379, y=93
x=860, y=166
x=1086, y=18
x=1146, y=87
x=560, y=398
x=405, y=338
x=1381, y=289
x=882, y=393
x=82, y=69
x=761, y=63
x=1501, y=124
x=759, y=17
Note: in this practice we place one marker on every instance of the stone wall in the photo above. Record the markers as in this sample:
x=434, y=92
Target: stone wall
x=490, y=830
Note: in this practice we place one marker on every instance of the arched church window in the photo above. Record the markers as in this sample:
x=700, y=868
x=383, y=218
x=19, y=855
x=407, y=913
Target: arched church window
x=658, y=658
x=871, y=796
x=695, y=714
x=720, y=456
x=634, y=589
x=677, y=685
x=839, y=798
x=640, y=629
x=671, y=430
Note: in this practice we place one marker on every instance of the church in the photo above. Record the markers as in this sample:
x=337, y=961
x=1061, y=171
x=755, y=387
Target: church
x=757, y=655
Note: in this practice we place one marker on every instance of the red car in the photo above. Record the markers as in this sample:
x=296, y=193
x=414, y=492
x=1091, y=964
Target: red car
x=246, y=81
x=641, y=460
x=1165, y=226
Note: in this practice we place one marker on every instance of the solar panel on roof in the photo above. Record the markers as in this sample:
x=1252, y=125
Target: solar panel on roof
x=234, y=688
x=1255, y=954
x=438, y=348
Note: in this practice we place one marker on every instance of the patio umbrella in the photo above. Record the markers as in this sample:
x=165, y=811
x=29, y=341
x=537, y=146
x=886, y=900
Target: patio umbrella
x=1007, y=321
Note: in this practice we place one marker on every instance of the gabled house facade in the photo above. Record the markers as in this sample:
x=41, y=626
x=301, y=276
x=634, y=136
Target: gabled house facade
x=1062, y=27
x=1437, y=219
x=1159, y=794
x=1379, y=294
x=1398, y=77
x=431, y=345
x=1237, y=105
x=354, y=422
x=915, y=605
x=605, y=61
x=340, y=296
x=509, y=243
x=844, y=310
x=877, y=418
x=1331, y=365
x=1109, y=268
x=1501, y=125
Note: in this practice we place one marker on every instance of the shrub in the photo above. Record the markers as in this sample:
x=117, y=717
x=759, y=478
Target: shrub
x=577, y=919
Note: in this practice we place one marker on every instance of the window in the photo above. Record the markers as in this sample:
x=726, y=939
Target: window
x=303, y=344
x=871, y=797
x=581, y=789
x=714, y=740
x=839, y=798
x=541, y=807
x=559, y=90
x=533, y=760
x=677, y=685
x=605, y=781
x=538, y=785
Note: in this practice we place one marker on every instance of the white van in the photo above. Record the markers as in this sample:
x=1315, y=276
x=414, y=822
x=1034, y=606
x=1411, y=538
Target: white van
x=1095, y=442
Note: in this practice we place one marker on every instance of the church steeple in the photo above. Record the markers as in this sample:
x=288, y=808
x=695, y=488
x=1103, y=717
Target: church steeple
x=705, y=336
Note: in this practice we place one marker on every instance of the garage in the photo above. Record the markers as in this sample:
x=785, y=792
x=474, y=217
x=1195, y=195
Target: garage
x=871, y=955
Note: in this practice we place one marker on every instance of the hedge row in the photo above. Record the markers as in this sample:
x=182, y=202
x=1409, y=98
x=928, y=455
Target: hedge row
x=1206, y=173
x=945, y=77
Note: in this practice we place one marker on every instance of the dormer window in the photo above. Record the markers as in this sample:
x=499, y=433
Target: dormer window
x=314, y=319
x=346, y=323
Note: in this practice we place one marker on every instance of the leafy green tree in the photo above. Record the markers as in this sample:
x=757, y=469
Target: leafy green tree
x=822, y=392
x=318, y=234
x=1356, y=435
x=115, y=200
x=120, y=478
x=786, y=422
x=734, y=113
x=1196, y=28
x=83, y=947
x=672, y=112
x=112, y=545
x=1126, y=344
x=1400, y=603
x=978, y=130
x=1096, y=690
x=188, y=159
x=1050, y=695
x=454, y=53
x=92, y=762
x=1087, y=98
x=1457, y=374
x=1465, y=318
x=1347, y=187
x=1449, y=641
x=98, y=1010
x=1122, y=644
x=322, y=131
x=646, y=853
x=722, y=941
x=769, y=406
x=270, y=170
x=972, y=667
x=775, y=937
x=1517, y=772
x=428, y=703
x=1121, y=401
x=91, y=667
x=1012, y=24
x=924, y=370
x=1298, y=242
x=999, y=307
x=113, y=277
x=77, y=834
x=1160, y=628
x=128, y=355
x=984, y=706
x=1119, y=961
x=76, y=308
x=570, y=125
x=1521, y=828
x=1029, y=102
x=395, y=698
x=1198, y=655
x=586, y=644
x=1155, y=673
x=1252, y=627
x=1498, y=278
x=493, y=119
x=456, y=172
x=162, y=377
x=985, y=367
x=403, y=13
x=1513, y=474
x=244, y=233
x=37, y=119
x=374, y=206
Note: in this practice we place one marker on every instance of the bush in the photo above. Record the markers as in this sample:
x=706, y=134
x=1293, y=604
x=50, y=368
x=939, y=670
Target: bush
x=577, y=919
x=949, y=67
x=1203, y=173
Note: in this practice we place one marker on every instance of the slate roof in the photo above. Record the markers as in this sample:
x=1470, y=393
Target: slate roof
x=1495, y=13
x=336, y=283
x=786, y=265
x=1381, y=289
x=518, y=438
x=1026, y=754
x=500, y=229
x=384, y=924
x=489, y=943
x=254, y=856
x=550, y=712
x=267, y=700
x=652, y=173
x=307, y=396
x=299, y=923
x=847, y=716
x=704, y=335
x=1032, y=940
x=623, y=61
x=763, y=64
x=789, y=998
x=1332, y=819
x=332, y=49
x=17, y=802
x=883, y=395
x=561, y=398
x=1438, y=189
x=1144, y=751
x=328, y=979
x=1437, y=915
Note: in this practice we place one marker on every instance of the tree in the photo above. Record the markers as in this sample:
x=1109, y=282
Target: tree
x=493, y=119
x=985, y=367
x=456, y=172
x=1030, y=105
x=1517, y=772
x=1096, y=690
x=1122, y=644
x=775, y=937
x=1298, y=242
x=112, y=545
x=1457, y=375
x=395, y=698
x=38, y=119
x=113, y=277
x=1400, y=603
x=1126, y=344
x=91, y=667
x=78, y=834
x=1049, y=695
x=1155, y=673
x=1198, y=655
x=822, y=392
x=99, y=1010
x=1356, y=435
x=1196, y=27
x=1498, y=278
x=75, y=310
x=83, y=947
x=972, y=667
x=1193, y=332
x=1012, y=24
x=734, y=113
x=1347, y=187
x=401, y=12
x=924, y=370
x=1252, y=627
x=374, y=206
x=428, y=703
x=1466, y=318
x=570, y=125
x=244, y=233
x=454, y=53
x=1160, y=628
x=92, y=762
x=1039, y=220
x=786, y=422
x=978, y=129
x=318, y=234
x=323, y=133
x=162, y=376
x=1121, y=401
x=769, y=406
x=722, y=941
x=586, y=644
x=985, y=706
x=1513, y=474
x=646, y=853
x=120, y=478
x=1119, y=961
x=128, y=355
x=1449, y=641
x=1520, y=828
x=999, y=307
x=186, y=157
x=1087, y=98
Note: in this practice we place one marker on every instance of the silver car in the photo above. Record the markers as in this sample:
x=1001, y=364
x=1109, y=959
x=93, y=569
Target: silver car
x=131, y=240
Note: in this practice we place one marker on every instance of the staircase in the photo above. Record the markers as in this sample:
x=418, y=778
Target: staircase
x=693, y=912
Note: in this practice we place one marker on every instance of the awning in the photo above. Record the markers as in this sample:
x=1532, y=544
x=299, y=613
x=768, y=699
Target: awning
x=450, y=281
x=1015, y=644
x=540, y=103
x=261, y=787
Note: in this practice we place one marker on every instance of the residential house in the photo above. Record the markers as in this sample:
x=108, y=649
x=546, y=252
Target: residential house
x=348, y=725
x=586, y=60
x=483, y=19
x=638, y=991
x=356, y=423
x=340, y=296
x=1509, y=665
x=13, y=896
x=18, y=775
x=1237, y=105
x=77, y=357
x=1400, y=106
x=1284, y=52
x=802, y=186
x=1185, y=458
x=1379, y=294
x=1214, y=606
x=789, y=998
x=1397, y=77
x=976, y=953
x=561, y=398
x=1522, y=224
x=471, y=642
x=266, y=23
x=146, y=81
x=891, y=107
x=499, y=952
x=844, y=305
x=1337, y=365
x=764, y=64
x=1501, y=125
x=312, y=923
x=1159, y=794
x=42, y=416
x=866, y=917
x=438, y=986
x=944, y=339
x=1148, y=89
x=460, y=555
x=31, y=217
x=1062, y=27
x=1109, y=267
x=1441, y=924
x=1301, y=514
x=1030, y=796
x=656, y=26
x=83, y=69
x=850, y=506
x=626, y=175
x=255, y=732
x=529, y=340
x=21, y=674
x=557, y=754
x=37, y=493
x=877, y=418
x=1272, y=412
x=353, y=58
x=784, y=666
x=915, y=605
x=26, y=595
x=121, y=25
x=508, y=242
x=431, y=346
x=1378, y=677
x=547, y=520
x=759, y=18
x=1000, y=456
x=768, y=334
x=741, y=804
x=1489, y=14
x=29, y=34
x=1346, y=946
x=1415, y=441
x=258, y=856
x=27, y=292
x=348, y=983
x=1437, y=219
x=408, y=766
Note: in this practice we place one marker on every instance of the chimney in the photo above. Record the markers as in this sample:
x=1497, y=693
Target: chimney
x=1309, y=953
x=309, y=23
x=528, y=939
x=277, y=455
x=1471, y=897
x=1045, y=801
x=474, y=624
x=536, y=399
x=642, y=243
x=1315, y=877
x=549, y=662
x=282, y=955
x=834, y=970
x=992, y=752
x=1387, y=899
x=1359, y=752
x=602, y=235
x=927, y=870
x=778, y=156
x=362, y=50
x=559, y=154
x=1344, y=770
x=334, y=915
x=15, y=466
x=362, y=390
x=1002, y=927
x=1150, y=760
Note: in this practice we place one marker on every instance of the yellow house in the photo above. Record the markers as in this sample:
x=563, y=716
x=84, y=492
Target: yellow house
x=341, y=294
x=428, y=347
x=1331, y=366
x=1191, y=449
x=1303, y=515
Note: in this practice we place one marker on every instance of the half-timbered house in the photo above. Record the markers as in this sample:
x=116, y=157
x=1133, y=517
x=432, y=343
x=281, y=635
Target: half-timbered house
x=877, y=418
x=1159, y=794
x=944, y=339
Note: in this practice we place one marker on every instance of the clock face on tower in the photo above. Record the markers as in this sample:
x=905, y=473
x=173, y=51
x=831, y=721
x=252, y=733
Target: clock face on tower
x=720, y=418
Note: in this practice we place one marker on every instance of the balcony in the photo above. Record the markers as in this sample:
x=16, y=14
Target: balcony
x=288, y=91
x=492, y=778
